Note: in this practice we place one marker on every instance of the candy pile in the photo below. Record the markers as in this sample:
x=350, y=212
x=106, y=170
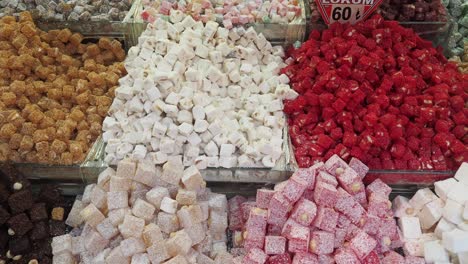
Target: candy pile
x=55, y=91
x=378, y=92
x=210, y=96
x=229, y=13
x=413, y=10
x=463, y=61
x=459, y=11
x=323, y=213
x=27, y=221
x=436, y=226
x=142, y=214
x=72, y=10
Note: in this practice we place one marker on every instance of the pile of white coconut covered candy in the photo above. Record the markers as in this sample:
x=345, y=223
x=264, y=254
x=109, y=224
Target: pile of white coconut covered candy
x=140, y=214
x=200, y=94
x=436, y=226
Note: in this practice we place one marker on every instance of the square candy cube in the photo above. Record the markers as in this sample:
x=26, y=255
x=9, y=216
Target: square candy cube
x=334, y=163
x=264, y=197
x=361, y=198
x=458, y=193
x=348, y=206
x=279, y=204
x=169, y=205
x=304, y=258
x=245, y=208
x=92, y=215
x=322, y=242
x=179, y=243
x=350, y=181
x=346, y=256
x=119, y=184
x=254, y=243
x=140, y=259
x=453, y=212
x=410, y=227
x=393, y=258
x=462, y=173
x=325, y=194
x=275, y=245
x=287, y=228
x=378, y=186
x=421, y=198
x=132, y=226
x=152, y=235
x=372, y=258
x=340, y=237
x=255, y=256
x=455, y=241
x=126, y=169
x=360, y=168
x=107, y=229
x=362, y=244
x=146, y=174
x=277, y=220
x=117, y=200
x=379, y=206
x=434, y=251
x=299, y=239
x=372, y=224
x=279, y=259
x=132, y=246
x=307, y=175
x=325, y=259
x=327, y=178
x=156, y=195
x=401, y=207
x=326, y=219
x=143, y=209
x=304, y=212
x=414, y=260
x=294, y=189
x=192, y=179
x=431, y=213
x=61, y=244
x=442, y=188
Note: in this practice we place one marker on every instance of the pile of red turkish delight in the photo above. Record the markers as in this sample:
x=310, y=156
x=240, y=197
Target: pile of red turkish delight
x=322, y=214
x=378, y=92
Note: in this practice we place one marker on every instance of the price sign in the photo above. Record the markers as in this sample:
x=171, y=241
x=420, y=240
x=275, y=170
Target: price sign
x=346, y=11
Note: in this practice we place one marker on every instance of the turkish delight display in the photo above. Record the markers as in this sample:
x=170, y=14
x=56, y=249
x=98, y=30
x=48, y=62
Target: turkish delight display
x=322, y=214
x=378, y=92
x=226, y=12
x=200, y=94
x=140, y=213
x=28, y=221
x=55, y=91
x=68, y=10
x=434, y=225
x=458, y=9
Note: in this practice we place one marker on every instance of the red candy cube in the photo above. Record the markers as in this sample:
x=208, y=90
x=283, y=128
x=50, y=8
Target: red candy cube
x=325, y=194
x=263, y=198
x=299, y=239
x=255, y=256
x=275, y=245
x=372, y=258
x=304, y=212
x=322, y=242
x=305, y=258
x=362, y=244
x=326, y=219
x=346, y=256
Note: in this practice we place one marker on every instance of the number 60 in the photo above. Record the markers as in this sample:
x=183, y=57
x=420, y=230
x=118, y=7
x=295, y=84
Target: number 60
x=339, y=13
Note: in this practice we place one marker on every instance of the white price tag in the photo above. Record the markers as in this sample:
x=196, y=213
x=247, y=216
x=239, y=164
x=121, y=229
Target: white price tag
x=346, y=11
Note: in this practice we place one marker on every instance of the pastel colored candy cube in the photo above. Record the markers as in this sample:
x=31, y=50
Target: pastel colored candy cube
x=325, y=194
x=304, y=212
x=302, y=258
x=299, y=239
x=350, y=181
x=362, y=244
x=346, y=256
x=263, y=198
x=322, y=242
x=359, y=167
x=326, y=219
x=294, y=189
x=255, y=256
x=275, y=245
x=378, y=186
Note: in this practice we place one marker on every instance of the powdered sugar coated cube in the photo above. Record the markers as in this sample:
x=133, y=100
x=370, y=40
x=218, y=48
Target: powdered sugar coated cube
x=362, y=244
x=263, y=198
x=132, y=226
x=168, y=205
x=61, y=244
x=117, y=200
x=132, y=246
x=156, y=195
x=126, y=169
x=107, y=229
x=322, y=242
x=143, y=209
x=140, y=259
x=275, y=245
x=326, y=219
x=304, y=212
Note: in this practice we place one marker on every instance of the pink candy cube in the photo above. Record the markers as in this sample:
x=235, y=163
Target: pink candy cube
x=327, y=178
x=305, y=258
x=257, y=218
x=326, y=219
x=349, y=207
x=274, y=230
x=360, y=168
x=414, y=260
x=325, y=259
x=393, y=258
x=280, y=259
x=308, y=194
x=379, y=206
x=334, y=163
x=325, y=194
x=307, y=175
x=340, y=237
x=378, y=186
x=299, y=239
x=304, y=212
x=322, y=242
x=372, y=225
x=294, y=189
x=279, y=205
x=361, y=198
x=277, y=219
x=287, y=228
x=350, y=181
x=255, y=256
x=362, y=244
x=264, y=197
x=275, y=245
x=245, y=208
x=346, y=256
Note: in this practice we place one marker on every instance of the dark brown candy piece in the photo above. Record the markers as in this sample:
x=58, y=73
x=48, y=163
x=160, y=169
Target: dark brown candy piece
x=57, y=228
x=40, y=231
x=4, y=193
x=43, y=248
x=4, y=237
x=50, y=195
x=4, y=215
x=13, y=178
x=20, y=224
x=19, y=246
x=38, y=212
x=20, y=201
